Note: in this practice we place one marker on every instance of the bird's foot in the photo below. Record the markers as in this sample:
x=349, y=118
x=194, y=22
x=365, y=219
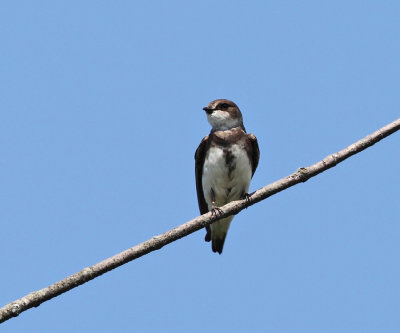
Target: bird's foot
x=246, y=196
x=215, y=211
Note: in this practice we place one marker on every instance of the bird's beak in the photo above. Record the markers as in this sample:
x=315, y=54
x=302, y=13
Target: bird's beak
x=208, y=110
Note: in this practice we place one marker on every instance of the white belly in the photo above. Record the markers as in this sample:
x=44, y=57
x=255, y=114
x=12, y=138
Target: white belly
x=227, y=184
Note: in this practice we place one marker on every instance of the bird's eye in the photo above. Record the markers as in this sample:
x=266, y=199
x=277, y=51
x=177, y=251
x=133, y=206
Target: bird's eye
x=224, y=106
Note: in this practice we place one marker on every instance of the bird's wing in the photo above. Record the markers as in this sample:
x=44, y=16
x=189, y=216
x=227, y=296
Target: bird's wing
x=254, y=153
x=199, y=157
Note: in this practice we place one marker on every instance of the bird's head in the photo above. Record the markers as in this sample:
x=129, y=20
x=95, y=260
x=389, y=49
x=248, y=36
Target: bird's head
x=223, y=114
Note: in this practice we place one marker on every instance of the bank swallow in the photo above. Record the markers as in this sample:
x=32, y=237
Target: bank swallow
x=225, y=162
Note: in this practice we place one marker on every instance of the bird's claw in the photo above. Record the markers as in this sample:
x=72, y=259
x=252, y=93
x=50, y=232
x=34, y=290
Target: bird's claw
x=246, y=197
x=216, y=211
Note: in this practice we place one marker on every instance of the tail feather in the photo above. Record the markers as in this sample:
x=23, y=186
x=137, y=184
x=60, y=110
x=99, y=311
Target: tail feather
x=216, y=233
x=218, y=243
x=208, y=234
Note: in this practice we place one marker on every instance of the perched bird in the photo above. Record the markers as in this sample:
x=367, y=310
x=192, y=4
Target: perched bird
x=225, y=162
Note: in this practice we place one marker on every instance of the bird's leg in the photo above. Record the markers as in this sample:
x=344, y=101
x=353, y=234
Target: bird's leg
x=215, y=210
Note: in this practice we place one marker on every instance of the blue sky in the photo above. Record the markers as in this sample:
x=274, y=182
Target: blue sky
x=101, y=112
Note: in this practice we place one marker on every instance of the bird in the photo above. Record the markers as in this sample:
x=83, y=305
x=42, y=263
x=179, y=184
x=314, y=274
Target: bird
x=225, y=162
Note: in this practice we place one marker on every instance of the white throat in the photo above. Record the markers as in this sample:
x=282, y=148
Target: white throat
x=221, y=120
